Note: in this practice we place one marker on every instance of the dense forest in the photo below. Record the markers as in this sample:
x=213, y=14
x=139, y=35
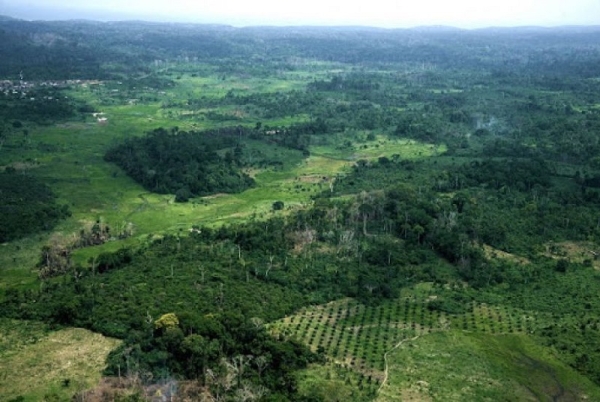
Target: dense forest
x=325, y=167
x=88, y=50
x=186, y=164
x=28, y=206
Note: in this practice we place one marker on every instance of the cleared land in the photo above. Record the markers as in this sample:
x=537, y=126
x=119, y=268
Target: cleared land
x=37, y=363
x=403, y=350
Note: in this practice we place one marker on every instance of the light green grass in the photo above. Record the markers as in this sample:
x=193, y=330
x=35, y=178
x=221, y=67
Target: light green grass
x=331, y=383
x=35, y=363
x=461, y=366
x=381, y=146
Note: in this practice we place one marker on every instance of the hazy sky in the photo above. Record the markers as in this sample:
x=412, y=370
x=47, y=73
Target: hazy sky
x=384, y=13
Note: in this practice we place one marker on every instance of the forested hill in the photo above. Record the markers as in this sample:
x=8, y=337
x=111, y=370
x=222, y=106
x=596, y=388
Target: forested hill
x=84, y=49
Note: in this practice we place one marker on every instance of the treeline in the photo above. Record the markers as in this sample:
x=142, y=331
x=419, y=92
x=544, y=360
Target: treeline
x=515, y=205
x=28, y=206
x=268, y=105
x=343, y=84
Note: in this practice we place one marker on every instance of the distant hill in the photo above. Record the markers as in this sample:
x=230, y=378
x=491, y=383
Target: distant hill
x=81, y=49
x=436, y=28
x=4, y=18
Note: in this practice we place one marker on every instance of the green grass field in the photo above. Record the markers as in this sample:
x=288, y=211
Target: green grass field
x=458, y=365
x=39, y=364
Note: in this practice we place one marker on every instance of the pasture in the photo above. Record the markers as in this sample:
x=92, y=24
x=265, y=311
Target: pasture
x=37, y=363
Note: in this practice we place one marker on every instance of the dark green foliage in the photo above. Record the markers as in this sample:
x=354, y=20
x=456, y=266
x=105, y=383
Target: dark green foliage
x=39, y=105
x=486, y=196
x=271, y=105
x=108, y=261
x=198, y=344
x=346, y=84
x=562, y=265
x=183, y=163
x=27, y=206
x=522, y=175
x=454, y=304
x=183, y=195
x=278, y=205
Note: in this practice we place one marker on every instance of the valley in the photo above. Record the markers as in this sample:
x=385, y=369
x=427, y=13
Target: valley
x=299, y=214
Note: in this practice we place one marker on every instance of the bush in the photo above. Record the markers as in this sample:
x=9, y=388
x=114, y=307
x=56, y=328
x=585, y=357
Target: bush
x=183, y=195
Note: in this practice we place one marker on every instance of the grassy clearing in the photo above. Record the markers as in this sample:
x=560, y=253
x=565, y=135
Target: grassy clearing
x=35, y=362
x=18, y=260
x=578, y=252
x=458, y=366
x=213, y=86
x=380, y=146
x=491, y=253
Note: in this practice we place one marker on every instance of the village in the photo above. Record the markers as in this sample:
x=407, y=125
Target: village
x=23, y=88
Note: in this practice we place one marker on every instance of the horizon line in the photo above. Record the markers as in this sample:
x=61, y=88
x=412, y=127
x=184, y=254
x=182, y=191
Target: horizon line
x=299, y=25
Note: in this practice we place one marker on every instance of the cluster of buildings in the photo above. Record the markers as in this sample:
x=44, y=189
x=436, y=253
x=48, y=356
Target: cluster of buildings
x=22, y=87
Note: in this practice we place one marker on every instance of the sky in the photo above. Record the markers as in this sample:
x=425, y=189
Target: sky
x=379, y=13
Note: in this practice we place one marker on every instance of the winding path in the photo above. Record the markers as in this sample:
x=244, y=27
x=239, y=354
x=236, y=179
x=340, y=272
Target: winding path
x=385, y=359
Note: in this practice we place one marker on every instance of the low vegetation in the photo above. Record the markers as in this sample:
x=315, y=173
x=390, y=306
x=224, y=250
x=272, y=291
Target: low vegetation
x=38, y=363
